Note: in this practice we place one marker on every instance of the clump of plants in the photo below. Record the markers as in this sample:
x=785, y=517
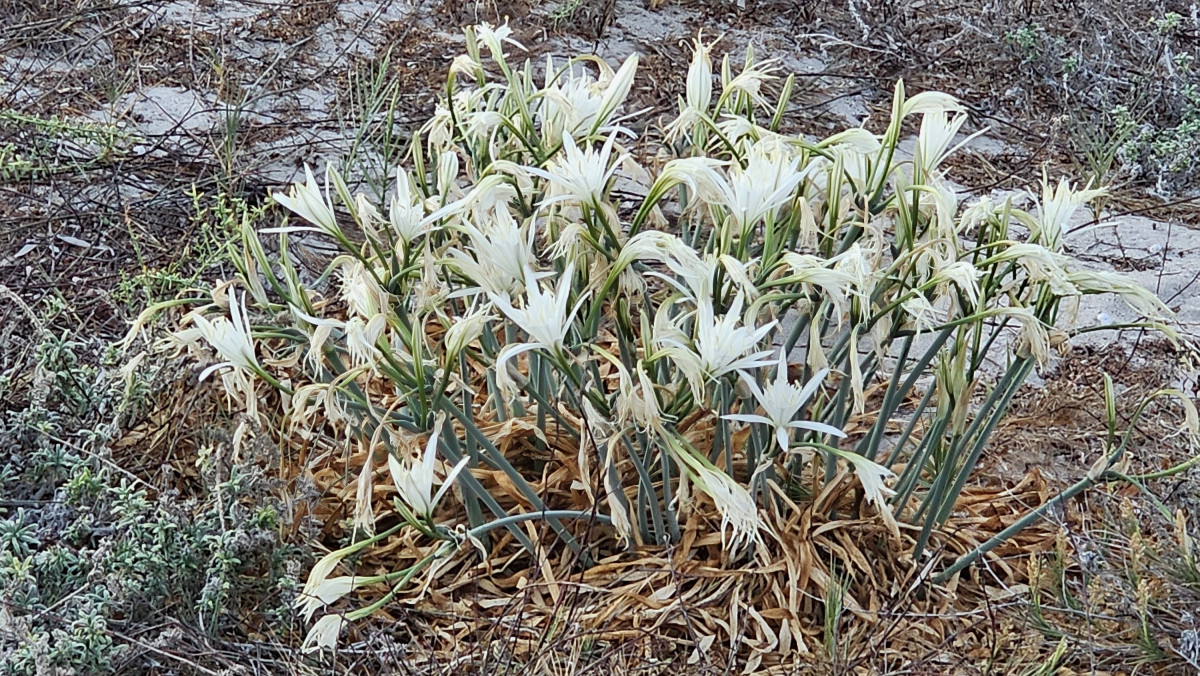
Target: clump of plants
x=92, y=554
x=735, y=324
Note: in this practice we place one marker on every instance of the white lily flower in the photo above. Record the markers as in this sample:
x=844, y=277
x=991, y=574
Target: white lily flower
x=577, y=104
x=229, y=337
x=840, y=283
x=324, y=634
x=738, y=512
x=760, y=189
x=871, y=475
x=326, y=593
x=1056, y=209
x=721, y=345
x=1137, y=297
x=782, y=401
x=934, y=139
x=581, y=176
x=921, y=312
x=1041, y=265
x=319, y=576
x=465, y=330
x=447, y=172
x=414, y=482
x=857, y=140
x=750, y=80
x=568, y=105
x=636, y=399
x=307, y=201
x=544, y=317
x=494, y=37
x=699, y=76
x=962, y=275
x=407, y=213
x=615, y=93
x=464, y=64
x=360, y=289
x=362, y=336
x=500, y=253
x=695, y=106
x=439, y=129
x=322, y=328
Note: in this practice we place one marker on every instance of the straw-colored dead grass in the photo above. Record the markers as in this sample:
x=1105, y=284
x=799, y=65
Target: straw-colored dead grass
x=688, y=608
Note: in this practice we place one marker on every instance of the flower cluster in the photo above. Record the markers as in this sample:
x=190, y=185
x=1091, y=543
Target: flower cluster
x=714, y=323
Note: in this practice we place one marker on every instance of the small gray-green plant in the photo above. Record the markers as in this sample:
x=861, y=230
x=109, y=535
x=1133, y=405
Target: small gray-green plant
x=91, y=553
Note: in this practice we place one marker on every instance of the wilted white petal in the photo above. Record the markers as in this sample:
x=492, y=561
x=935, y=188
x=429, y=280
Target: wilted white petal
x=739, y=514
x=465, y=330
x=871, y=475
x=324, y=634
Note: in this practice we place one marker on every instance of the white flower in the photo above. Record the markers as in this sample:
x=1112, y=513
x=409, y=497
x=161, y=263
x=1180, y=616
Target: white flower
x=1136, y=296
x=655, y=245
x=616, y=91
x=465, y=330
x=1056, y=209
x=447, y=172
x=230, y=337
x=841, y=277
x=500, y=252
x=1041, y=264
x=316, y=587
x=962, y=275
x=361, y=290
x=738, y=512
x=750, y=80
x=581, y=175
x=781, y=401
x=636, y=400
x=921, y=312
x=544, y=317
x=362, y=336
x=934, y=139
x=572, y=102
x=568, y=105
x=326, y=593
x=324, y=634
x=493, y=38
x=695, y=107
x=857, y=140
x=406, y=213
x=439, y=129
x=414, y=483
x=307, y=201
x=322, y=328
x=871, y=475
x=721, y=345
x=760, y=189
x=464, y=64
x=699, y=76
